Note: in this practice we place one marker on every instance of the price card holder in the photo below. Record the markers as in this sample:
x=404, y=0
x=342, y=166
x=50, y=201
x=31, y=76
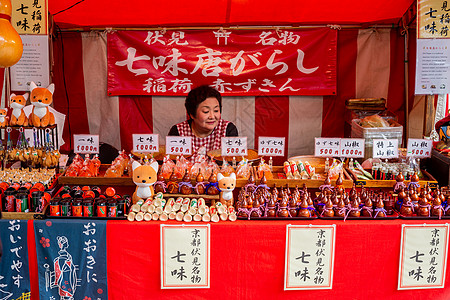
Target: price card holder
x=185, y=256
x=179, y=145
x=419, y=148
x=327, y=147
x=146, y=143
x=271, y=146
x=385, y=148
x=352, y=148
x=86, y=143
x=234, y=146
x=423, y=256
x=309, y=257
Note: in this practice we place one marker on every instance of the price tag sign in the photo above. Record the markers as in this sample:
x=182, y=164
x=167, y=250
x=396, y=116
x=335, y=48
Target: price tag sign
x=352, y=148
x=185, y=253
x=385, y=148
x=179, y=145
x=146, y=143
x=86, y=143
x=423, y=256
x=327, y=147
x=309, y=257
x=419, y=148
x=234, y=146
x=271, y=146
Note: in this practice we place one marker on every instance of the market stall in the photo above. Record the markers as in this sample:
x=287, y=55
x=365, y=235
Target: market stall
x=295, y=75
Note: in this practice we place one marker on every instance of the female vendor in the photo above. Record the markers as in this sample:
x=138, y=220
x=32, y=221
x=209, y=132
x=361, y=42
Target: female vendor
x=205, y=126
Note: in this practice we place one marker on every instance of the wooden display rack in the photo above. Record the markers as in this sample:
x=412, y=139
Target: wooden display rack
x=391, y=183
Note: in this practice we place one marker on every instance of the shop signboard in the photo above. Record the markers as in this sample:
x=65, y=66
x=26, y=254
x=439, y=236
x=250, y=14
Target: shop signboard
x=309, y=257
x=423, y=256
x=185, y=256
x=327, y=147
x=352, y=148
x=235, y=62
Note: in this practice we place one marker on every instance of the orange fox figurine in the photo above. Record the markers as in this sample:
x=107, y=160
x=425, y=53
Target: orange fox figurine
x=226, y=185
x=18, y=116
x=144, y=176
x=41, y=98
x=3, y=117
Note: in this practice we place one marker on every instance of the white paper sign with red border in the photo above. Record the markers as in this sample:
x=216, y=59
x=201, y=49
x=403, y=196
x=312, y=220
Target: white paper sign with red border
x=327, y=147
x=234, y=146
x=419, y=148
x=352, y=148
x=86, y=143
x=309, y=263
x=145, y=143
x=271, y=146
x=423, y=256
x=179, y=145
x=385, y=148
x=185, y=256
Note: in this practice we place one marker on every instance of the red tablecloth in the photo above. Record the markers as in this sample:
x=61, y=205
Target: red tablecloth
x=248, y=258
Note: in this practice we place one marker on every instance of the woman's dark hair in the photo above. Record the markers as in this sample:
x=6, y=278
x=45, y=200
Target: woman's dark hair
x=198, y=95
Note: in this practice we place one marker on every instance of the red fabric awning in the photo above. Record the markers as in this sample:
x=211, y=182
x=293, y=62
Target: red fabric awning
x=143, y=13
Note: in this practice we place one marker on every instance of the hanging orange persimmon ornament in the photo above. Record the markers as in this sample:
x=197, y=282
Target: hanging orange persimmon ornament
x=10, y=42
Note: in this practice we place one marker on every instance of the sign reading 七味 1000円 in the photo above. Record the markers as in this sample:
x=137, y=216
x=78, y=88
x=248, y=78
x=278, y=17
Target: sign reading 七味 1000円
x=234, y=146
x=271, y=146
x=146, y=143
x=327, y=147
x=179, y=145
x=86, y=143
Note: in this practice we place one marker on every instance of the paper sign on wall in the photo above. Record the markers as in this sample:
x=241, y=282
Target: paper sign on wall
x=327, y=147
x=419, y=148
x=179, y=145
x=309, y=257
x=271, y=146
x=385, y=148
x=29, y=16
x=234, y=146
x=146, y=143
x=34, y=65
x=423, y=256
x=86, y=143
x=185, y=253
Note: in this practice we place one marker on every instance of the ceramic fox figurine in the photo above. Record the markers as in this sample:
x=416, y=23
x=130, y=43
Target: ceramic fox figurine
x=41, y=98
x=3, y=118
x=144, y=176
x=226, y=186
x=18, y=116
